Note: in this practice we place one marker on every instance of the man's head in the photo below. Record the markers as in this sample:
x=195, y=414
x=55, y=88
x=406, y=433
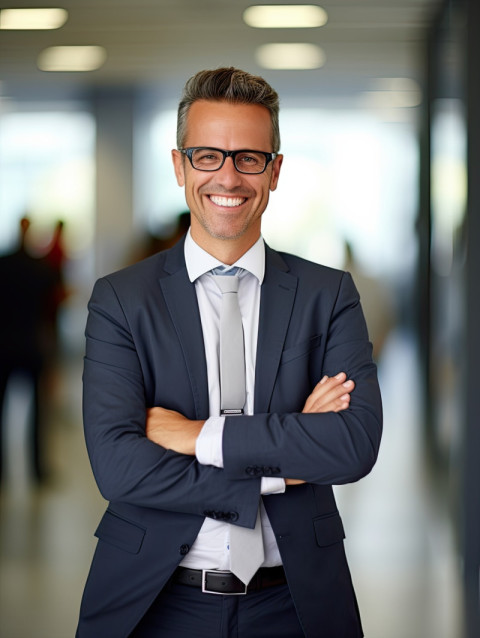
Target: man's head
x=233, y=86
x=222, y=112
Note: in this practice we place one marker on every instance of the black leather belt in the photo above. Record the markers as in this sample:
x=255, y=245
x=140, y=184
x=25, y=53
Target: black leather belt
x=226, y=583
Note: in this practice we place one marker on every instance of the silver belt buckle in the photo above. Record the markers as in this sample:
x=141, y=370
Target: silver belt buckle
x=205, y=590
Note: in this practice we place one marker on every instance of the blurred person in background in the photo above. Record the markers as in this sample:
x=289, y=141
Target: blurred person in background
x=154, y=243
x=27, y=290
x=185, y=477
x=377, y=303
x=55, y=256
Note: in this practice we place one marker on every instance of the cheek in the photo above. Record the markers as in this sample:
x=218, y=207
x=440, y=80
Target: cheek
x=265, y=193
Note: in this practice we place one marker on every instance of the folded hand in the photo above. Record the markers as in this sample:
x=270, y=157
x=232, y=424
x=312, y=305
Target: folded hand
x=331, y=394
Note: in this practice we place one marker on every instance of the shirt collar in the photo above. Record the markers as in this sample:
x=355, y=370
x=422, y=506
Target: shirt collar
x=199, y=262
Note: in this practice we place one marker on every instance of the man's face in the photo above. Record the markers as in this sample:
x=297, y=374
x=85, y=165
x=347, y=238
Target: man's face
x=225, y=205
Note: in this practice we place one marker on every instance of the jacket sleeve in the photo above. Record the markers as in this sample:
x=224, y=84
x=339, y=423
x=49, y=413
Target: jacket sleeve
x=328, y=448
x=126, y=465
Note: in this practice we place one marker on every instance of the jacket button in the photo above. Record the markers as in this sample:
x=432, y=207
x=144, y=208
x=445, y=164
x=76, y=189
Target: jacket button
x=184, y=549
x=233, y=516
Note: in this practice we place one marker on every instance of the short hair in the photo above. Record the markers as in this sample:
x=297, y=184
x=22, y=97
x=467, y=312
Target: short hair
x=228, y=85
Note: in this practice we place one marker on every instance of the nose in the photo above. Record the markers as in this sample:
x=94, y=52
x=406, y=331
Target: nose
x=228, y=175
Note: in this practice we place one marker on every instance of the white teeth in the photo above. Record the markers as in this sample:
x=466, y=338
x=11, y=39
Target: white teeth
x=227, y=201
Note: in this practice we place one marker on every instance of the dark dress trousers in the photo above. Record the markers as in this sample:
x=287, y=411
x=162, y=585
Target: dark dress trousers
x=145, y=348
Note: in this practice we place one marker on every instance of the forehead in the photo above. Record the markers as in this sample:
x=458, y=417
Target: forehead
x=229, y=126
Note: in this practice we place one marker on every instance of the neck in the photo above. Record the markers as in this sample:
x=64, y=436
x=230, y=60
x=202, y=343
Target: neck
x=228, y=251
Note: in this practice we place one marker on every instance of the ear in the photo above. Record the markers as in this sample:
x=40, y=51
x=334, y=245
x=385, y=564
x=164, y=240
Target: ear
x=178, y=160
x=277, y=164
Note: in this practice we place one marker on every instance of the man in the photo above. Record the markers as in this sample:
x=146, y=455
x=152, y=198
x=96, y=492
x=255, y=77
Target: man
x=182, y=480
x=27, y=286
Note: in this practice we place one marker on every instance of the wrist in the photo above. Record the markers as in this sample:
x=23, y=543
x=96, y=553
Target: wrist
x=193, y=434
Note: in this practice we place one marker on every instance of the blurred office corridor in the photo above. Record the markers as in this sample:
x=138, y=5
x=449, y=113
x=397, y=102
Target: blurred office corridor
x=382, y=153
x=399, y=539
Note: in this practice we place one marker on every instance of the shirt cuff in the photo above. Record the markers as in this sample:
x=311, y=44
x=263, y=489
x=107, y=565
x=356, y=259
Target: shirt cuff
x=208, y=449
x=271, y=485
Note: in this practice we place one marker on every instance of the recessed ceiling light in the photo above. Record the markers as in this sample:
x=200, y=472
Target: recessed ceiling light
x=285, y=16
x=290, y=56
x=29, y=19
x=72, y=58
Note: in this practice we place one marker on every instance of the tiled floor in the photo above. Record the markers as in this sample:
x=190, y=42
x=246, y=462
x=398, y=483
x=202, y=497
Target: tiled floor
x=399, y=542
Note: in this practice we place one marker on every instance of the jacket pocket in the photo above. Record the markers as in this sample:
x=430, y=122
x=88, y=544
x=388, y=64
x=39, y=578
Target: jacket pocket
x=121, y=533
x=300, y=349
x=328, y=529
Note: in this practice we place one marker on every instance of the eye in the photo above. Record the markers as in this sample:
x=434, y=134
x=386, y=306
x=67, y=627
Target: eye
x=250, y=159
x=206, y=156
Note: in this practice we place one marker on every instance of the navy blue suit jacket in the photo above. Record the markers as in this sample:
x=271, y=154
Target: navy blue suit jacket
x=145, y=348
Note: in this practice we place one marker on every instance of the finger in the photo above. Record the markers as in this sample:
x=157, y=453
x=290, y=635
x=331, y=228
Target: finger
x=331, y=389
x=331, y=381
x=329, y=395
x=341, y=404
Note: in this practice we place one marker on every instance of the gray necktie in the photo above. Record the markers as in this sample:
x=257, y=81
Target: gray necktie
x=232, y=349
x=246, y=545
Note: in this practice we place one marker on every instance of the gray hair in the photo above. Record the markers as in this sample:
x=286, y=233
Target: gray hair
x=228, y=85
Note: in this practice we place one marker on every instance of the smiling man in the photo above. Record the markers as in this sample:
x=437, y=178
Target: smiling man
x=222, y=520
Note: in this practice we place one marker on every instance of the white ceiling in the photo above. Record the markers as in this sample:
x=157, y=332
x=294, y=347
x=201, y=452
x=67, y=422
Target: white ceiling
x=160, y=43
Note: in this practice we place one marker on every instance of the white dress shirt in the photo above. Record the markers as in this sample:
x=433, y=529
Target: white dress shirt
x=211, y=548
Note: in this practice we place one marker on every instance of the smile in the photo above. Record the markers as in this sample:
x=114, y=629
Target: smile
x=228, y=202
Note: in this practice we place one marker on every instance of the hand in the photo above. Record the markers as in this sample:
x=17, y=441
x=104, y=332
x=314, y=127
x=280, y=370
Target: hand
x=172, y=430
x=331, y=394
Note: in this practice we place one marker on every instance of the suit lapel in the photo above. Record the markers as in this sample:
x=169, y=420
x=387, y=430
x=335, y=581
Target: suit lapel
x=276, y=305
x=181, y=299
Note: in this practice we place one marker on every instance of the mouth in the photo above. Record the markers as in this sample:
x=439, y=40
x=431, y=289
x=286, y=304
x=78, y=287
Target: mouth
x=227, y=202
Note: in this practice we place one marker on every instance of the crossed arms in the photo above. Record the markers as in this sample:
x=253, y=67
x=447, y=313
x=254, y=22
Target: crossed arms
x=173, y=431
x=151, y=462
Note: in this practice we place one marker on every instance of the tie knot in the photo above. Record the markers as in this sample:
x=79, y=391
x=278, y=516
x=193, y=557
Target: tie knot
x=226, y=284
x=226, y=278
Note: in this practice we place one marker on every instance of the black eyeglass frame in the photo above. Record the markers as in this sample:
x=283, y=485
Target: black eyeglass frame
x=269, y=157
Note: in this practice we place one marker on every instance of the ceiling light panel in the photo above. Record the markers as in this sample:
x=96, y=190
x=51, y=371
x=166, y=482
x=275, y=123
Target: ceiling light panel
x=290, y=56
x=32, y=19
x=285, y=16
x=72, y=58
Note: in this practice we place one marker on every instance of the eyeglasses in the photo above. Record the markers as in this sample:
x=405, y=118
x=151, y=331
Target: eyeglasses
x=212, y=159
